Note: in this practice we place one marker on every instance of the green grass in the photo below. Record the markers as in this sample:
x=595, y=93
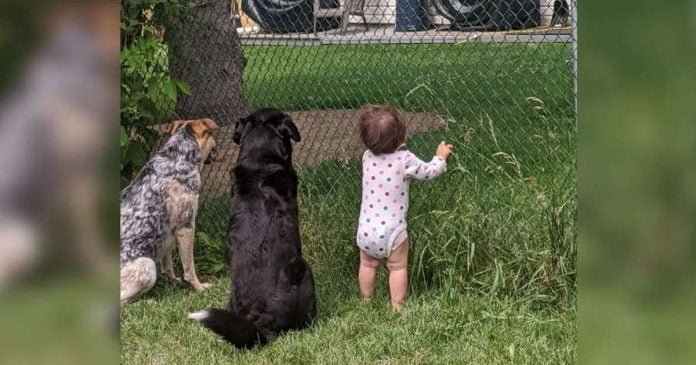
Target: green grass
x=492, y=265
x=465, y=80
x=432, y=328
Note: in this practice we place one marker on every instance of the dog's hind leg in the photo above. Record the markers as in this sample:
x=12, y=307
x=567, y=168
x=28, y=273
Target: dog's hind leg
x=296, y=278
x=137, y=277
x=185, y=238
x=168, y=268
x=294, y=271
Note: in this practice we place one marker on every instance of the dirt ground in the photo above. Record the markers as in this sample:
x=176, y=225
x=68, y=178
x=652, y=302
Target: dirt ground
x=326, y=135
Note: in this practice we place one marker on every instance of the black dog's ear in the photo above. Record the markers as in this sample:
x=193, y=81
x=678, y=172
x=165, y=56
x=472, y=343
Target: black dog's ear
x=288, y=129
x=238, y=129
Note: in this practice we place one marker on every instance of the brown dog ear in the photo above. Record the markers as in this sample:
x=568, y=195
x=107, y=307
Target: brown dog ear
x=199, y=128
x=210, y=124
x=174, y=126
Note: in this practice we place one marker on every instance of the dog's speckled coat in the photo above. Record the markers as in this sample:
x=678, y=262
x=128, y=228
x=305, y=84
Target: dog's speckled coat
x=159, y=206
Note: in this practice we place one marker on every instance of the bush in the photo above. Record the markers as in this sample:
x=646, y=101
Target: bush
x=148, y=90
x=148, y=95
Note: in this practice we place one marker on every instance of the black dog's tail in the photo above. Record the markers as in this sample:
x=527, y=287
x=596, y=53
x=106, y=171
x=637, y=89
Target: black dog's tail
x=234, y=328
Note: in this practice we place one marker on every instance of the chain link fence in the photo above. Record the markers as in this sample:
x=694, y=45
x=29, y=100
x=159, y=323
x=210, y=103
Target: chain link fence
x=494, y=77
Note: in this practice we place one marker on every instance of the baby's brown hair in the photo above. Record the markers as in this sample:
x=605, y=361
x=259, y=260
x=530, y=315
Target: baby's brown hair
x=382, y=128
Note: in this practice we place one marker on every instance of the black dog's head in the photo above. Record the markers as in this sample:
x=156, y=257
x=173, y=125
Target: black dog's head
x=266, y=132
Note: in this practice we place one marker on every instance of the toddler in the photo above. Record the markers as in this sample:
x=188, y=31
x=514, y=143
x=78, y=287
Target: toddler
x=388, y=168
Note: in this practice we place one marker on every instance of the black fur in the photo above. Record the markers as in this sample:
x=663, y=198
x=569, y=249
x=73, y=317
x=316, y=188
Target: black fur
x=272, y=284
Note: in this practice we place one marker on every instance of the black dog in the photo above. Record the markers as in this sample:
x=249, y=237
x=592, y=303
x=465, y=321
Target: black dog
x=272, y=284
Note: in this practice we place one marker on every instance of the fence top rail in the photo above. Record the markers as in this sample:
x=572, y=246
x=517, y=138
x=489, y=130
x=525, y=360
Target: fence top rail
x=387, y=35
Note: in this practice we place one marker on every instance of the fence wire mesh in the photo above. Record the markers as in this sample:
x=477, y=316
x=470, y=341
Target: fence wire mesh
x=494, y=77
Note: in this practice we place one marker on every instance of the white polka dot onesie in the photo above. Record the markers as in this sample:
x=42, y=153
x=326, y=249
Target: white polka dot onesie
x=384, y=205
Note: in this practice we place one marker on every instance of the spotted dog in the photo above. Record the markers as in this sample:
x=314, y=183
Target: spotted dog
x=159, y=206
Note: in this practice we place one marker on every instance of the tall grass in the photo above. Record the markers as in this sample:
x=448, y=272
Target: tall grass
x=500, y=222
x=492, y=264
x=497, y=223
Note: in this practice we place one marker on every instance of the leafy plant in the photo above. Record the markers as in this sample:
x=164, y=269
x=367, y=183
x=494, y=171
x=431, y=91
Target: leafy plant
x=148, y=95
x=148, y=91
x=151, y=17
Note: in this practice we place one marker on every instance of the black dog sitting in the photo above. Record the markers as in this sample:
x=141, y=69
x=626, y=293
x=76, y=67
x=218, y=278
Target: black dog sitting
x=272, y=284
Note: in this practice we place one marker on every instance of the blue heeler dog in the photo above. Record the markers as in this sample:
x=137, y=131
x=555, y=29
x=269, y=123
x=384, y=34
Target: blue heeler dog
x=159, y=206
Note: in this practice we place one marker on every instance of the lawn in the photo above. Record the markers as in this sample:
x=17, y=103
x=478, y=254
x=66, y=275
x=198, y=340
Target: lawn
x=433, y=328
x=492, y=267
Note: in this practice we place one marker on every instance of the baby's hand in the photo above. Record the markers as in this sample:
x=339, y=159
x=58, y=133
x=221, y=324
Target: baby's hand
x=444, y=150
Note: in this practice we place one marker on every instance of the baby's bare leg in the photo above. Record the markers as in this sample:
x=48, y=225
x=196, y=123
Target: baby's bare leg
x=397, y=263
x=367, y=274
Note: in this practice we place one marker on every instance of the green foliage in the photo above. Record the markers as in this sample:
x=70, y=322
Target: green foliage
x=141, y=17
x=148, y=94
x=148, y=91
